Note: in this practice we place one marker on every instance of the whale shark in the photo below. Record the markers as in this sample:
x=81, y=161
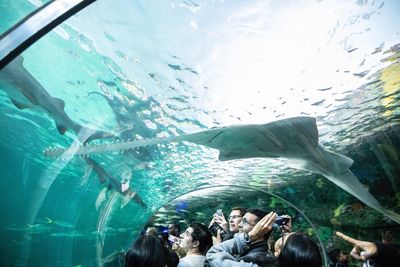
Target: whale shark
x=25, y=91
x=295, y=139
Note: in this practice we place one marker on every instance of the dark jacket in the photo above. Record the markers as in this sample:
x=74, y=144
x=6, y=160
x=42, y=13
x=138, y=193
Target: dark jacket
x=386, y=256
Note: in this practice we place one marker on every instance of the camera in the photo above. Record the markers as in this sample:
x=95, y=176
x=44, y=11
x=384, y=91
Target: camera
x=214, y=230
x=280, y=221
x=215, y=226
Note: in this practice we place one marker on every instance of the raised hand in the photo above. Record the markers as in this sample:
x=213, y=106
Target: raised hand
x=387, y=237
x=221, y=221
x=263, y=226
x=363, y=250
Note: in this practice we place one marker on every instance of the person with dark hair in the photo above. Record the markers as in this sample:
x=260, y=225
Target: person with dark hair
x=148, y=251
x=230, y=227
x=151, y=231
x=338, y=258
x=249, y=246
x=377, y=253
x=299, y=250
x=279, y=243
x=174, y=229
x=195, y=241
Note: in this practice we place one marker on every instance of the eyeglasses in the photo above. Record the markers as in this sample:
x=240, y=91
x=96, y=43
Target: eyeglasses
x=246, y=222
x=235, y=217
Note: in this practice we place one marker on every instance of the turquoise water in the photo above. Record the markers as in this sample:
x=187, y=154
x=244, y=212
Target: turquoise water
x=154, y=69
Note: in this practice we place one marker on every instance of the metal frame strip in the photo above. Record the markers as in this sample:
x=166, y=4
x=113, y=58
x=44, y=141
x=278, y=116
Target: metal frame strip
x=35, y=25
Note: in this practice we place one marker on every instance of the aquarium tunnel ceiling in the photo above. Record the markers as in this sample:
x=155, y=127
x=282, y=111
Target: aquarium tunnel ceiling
x=116, y=115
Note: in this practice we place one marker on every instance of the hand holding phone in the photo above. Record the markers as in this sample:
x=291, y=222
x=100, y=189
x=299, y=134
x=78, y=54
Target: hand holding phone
x=173, y=239
x=281, y=221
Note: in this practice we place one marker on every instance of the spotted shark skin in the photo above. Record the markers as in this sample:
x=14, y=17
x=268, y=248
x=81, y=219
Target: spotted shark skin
x=295, y=139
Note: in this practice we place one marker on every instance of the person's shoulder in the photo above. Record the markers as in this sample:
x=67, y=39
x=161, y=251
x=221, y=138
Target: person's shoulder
x=184, y=262
x=191, y=260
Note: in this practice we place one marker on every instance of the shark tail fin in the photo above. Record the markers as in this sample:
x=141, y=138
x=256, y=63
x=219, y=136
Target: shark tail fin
x=86, y=134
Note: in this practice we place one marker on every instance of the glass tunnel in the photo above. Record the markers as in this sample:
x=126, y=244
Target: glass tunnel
x=119, y=115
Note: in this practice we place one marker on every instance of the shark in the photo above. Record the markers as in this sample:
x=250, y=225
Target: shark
x=295, y=139
x=25, y=91
x=113, y=182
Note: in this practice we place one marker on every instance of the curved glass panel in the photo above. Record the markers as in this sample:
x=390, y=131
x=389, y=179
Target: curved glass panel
x=149, y=71
x=200, y=205
x=12, y=12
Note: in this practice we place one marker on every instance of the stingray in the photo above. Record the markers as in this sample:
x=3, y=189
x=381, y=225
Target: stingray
x=295, y=139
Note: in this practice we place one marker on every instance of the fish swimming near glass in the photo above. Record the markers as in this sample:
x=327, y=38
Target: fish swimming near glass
x=25, y=91
x=113, y=182
x=295, y=139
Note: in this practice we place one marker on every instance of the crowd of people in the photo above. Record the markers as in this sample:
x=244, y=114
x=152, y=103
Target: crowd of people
x=242, y=240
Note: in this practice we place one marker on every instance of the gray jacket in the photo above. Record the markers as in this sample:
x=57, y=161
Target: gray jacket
x=236, y=253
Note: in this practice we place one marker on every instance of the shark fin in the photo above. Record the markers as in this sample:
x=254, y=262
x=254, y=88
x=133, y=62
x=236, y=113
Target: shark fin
x=60, y=103
x=61, y=129
x=102, y=180
x=20, y=105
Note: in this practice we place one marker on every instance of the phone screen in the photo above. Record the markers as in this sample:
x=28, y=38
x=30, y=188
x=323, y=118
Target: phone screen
x=172, y=238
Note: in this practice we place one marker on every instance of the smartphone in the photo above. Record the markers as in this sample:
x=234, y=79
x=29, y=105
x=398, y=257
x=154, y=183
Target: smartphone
x=219, y=212
x=172, y=239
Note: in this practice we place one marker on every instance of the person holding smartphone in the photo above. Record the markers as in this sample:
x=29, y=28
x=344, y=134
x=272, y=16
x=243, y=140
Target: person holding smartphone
x=229, y=228
x=248, y=247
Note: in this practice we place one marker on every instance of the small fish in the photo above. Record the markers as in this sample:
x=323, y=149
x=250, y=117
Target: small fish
x=64, y=224
x=101, y=197
x=17, y=228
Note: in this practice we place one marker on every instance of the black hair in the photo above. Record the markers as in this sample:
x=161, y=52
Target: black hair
x=241, y=210
x=148, y=251
x=334, y=255
x=300, y=250
x=203, y=235
x=259, y=213
x=177, y=226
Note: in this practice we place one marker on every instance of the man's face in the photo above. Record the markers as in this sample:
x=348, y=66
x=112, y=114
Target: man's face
x=248, y=222
x=343, y=257
x=172, y=230
x=234, y=219
x=186, y=242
